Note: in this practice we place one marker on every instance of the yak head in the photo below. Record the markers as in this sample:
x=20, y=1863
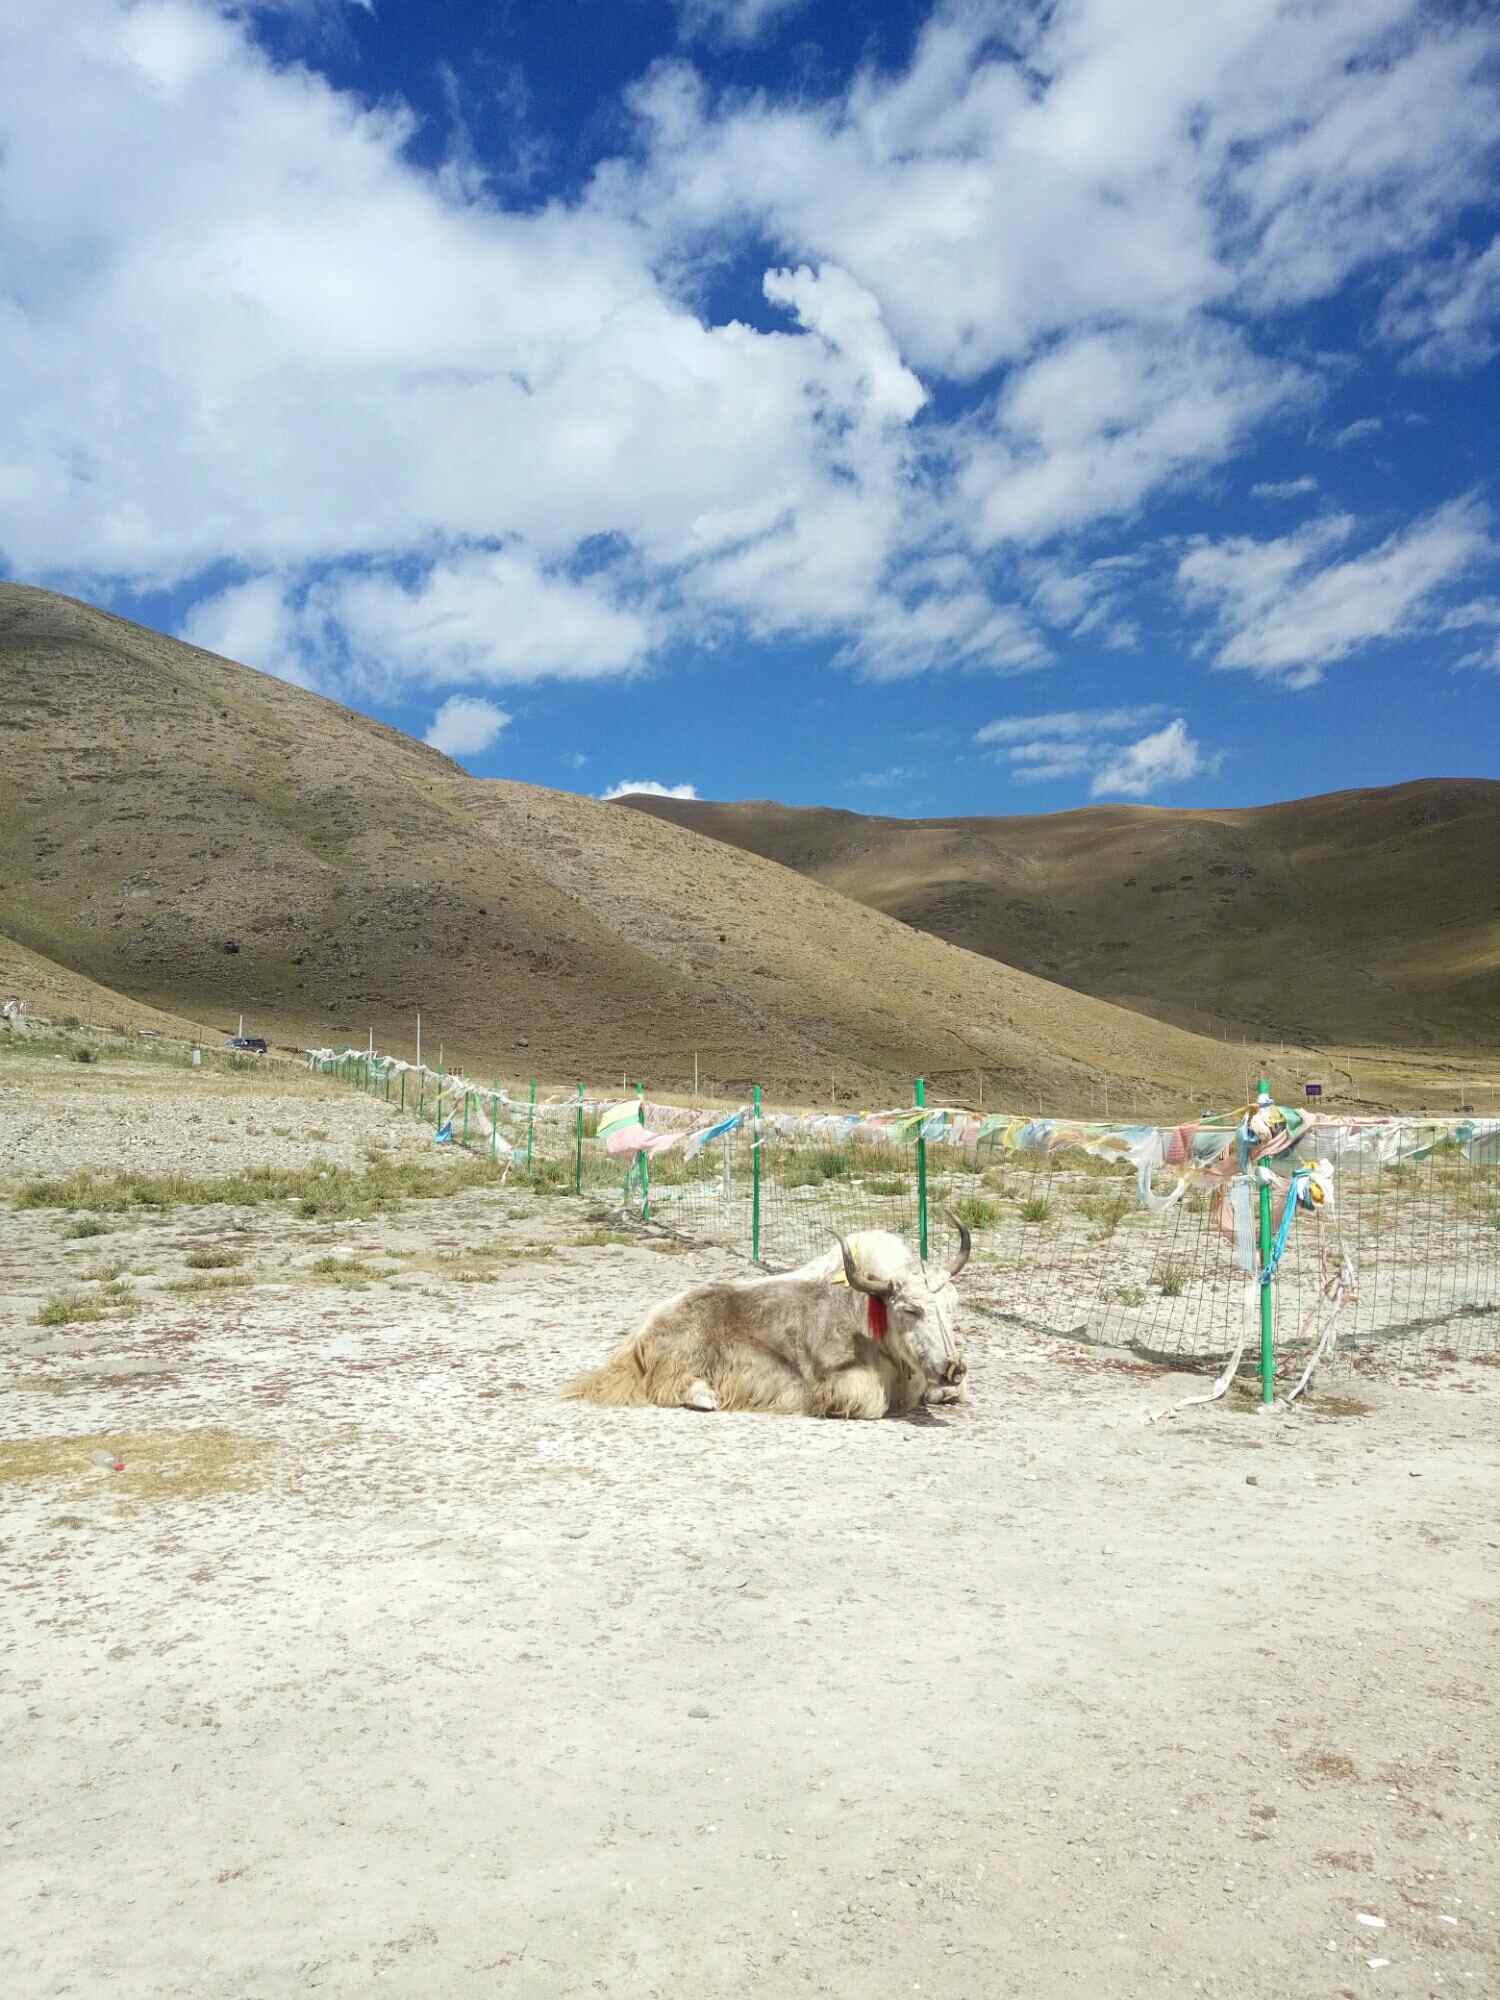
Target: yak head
x=921, y=1305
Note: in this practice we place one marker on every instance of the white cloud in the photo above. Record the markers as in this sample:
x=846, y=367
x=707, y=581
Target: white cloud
x=1475, y=616
x=1103, y=420
x=1288, y=609
x=253, y=624
x=1088, y=601
x=1479, y=611
x=489, y=616
x=1284, y=489
x=1447, y=310
x=829, y=303
x=242, y=324
x=1085, y=742
x=1362, y=427
x=1072, y=724
x=650, y=788
x=1378, y=134
x=738, y=22
x=465, y=726
x=481, y=617
x=884, y=781
x=1168, y=757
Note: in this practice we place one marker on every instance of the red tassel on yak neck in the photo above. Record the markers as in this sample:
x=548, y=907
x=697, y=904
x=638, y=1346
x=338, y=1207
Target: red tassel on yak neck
x=875, y=1317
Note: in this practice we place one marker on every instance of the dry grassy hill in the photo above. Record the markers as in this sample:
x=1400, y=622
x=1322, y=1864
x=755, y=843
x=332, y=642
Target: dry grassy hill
x=205, y=839
x=1364, y=916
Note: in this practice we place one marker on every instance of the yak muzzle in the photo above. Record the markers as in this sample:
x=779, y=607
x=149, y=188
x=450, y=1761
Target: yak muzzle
x=956, y=1370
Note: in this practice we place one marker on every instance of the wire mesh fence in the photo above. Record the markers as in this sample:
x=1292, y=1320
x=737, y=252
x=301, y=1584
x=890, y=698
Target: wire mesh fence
x=1388, y=1229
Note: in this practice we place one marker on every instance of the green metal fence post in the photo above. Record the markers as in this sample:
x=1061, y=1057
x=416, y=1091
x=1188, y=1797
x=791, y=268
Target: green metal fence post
x=644, y=1158
x=465, y=1139
x=921, y=1100
x=421, y=1090
x=403, y=1090
x=755, y=1181
x=578, y=1146
x=494, y=1127
x=1267, y=1301
x=530, y=1124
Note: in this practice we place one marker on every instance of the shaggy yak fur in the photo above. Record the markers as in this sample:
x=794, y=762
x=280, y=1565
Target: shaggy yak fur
x=864, y=1331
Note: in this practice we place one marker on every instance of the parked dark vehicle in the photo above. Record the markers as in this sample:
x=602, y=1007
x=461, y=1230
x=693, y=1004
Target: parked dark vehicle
x=250, y=1045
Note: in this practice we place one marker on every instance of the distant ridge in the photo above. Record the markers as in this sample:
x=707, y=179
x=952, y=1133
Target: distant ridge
x=205, y=839
x=1359, y=916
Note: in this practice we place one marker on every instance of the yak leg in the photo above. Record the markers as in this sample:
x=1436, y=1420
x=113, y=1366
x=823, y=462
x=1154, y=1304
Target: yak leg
x=684, y=1369
x=855, y=1391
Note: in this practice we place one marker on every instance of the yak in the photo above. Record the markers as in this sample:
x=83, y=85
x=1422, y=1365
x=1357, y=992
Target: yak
x=865, y=1330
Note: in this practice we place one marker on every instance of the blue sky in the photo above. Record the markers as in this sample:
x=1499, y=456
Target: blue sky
x=978, y=408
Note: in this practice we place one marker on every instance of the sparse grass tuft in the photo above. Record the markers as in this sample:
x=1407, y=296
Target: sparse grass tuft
x=1108, y=1210
x=319, y=1190
x=343, y=1270
x=601, y=1239
x=814, y=1167
x=885, y=1184
x=87, y=1225
x=81, y=1308
x=1128, y=1295
x=976, y=1212
x=548, y=1177
x=1172, y=1279
x=1036, y=1209
x=212, y=1260
x=212, y=1281
x=107, y=1274
x=84, y=1056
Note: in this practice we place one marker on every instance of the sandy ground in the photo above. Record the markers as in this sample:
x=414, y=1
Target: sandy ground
x=140, y=1117
x=378, y=1668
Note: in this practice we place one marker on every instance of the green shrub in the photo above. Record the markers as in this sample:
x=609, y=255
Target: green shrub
x=84, y=1055
x=1037, y=1209
x=886, y=1185
x=87, y=1225
x=1172, y=1279
x=212, y=1260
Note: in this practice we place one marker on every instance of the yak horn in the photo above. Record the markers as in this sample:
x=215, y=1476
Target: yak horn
x=963, y=1245
x=859, y=1284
